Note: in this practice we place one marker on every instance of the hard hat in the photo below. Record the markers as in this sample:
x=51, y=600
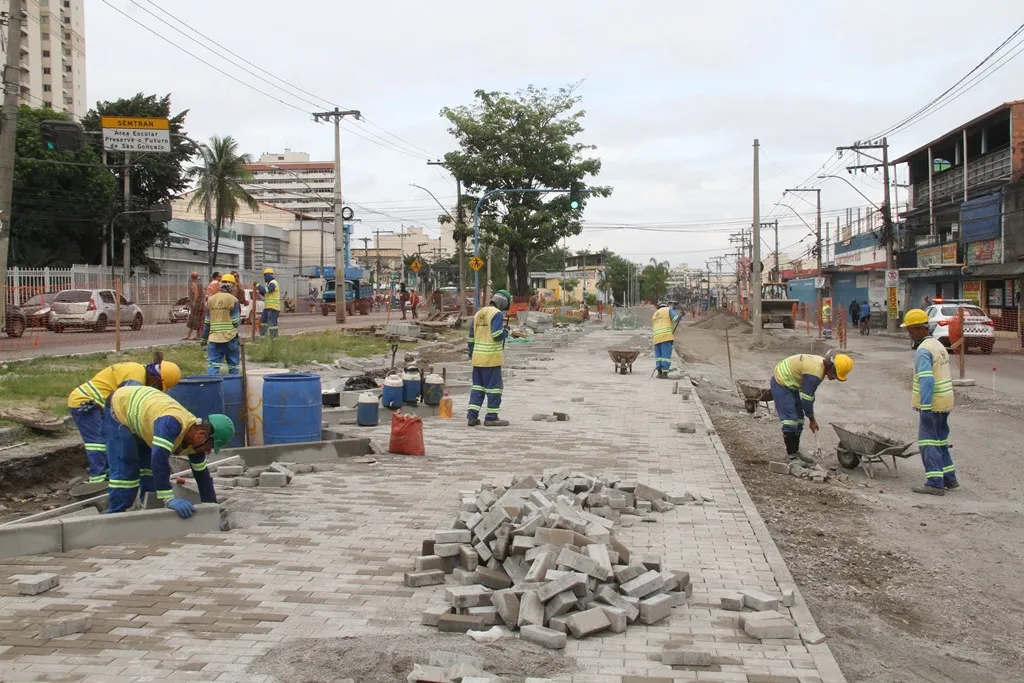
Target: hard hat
x=227, y=278
x=915, y=317
x=170, y=374
x=223, y=430
x=843, y=364
x=268, y=271
x=501, y=300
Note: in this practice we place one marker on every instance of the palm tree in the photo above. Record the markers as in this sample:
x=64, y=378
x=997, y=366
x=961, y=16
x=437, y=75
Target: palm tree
x=219, y=187
x=659, y=272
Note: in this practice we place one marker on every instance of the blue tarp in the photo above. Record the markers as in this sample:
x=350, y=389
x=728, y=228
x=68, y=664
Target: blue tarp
x=982, y=218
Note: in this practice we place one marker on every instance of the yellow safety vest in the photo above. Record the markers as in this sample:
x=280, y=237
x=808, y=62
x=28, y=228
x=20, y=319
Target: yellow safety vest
x=487, y=353
x=789, y=372
x=222, y=325
x=105, y=382
x=942, y=391
x=273, y=299
x=138, y=409
x=661, y=324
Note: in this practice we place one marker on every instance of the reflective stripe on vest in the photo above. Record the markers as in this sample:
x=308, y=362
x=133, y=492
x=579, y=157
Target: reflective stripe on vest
x=105, y=382
x=138, y=409
x=273, y=299
x=487, y=353
x=942, y=391
x=222, y=325
x=661, y=324
x=789, y=372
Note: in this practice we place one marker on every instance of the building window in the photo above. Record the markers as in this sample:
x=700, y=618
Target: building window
x=44, y=20
x=67, y=69
x=46, y=87
x=67, y=20
x=46, y=70
x=67, y=4
x=47, y=105
x=46, y=53
x=67, y=35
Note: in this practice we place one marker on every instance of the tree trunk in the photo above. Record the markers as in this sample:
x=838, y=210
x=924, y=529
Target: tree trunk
x=461, y=251
x=518, y=272
x=216, y=239
x=209, y=233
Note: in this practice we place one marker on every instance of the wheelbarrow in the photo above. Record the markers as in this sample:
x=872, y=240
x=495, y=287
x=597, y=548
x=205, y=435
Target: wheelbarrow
x=754, y=391
x=859, y=446
x=623, y=359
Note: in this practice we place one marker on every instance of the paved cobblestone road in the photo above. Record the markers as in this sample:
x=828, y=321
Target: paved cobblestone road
x=325, y=556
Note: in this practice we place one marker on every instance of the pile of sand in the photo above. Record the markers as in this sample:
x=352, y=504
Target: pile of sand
x=723, y=320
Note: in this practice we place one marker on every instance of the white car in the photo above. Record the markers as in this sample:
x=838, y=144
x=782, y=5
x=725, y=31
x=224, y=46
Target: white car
x=979, y=329
x=92, y=309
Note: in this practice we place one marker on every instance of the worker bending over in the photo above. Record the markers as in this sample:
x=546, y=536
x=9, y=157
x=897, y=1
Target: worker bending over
x=487, y=337
x=87, y=402
x=793, y=388
x=933, y=399
x=142, y=429
x=664, y=337
x=271, y=293
x=220, y=329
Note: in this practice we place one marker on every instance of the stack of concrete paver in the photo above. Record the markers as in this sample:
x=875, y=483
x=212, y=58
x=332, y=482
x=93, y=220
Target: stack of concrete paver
x=275, y=475
x=539, y=555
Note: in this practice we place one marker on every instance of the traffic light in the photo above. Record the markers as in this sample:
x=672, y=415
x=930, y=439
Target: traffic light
x=575, y=197
x=62, y=136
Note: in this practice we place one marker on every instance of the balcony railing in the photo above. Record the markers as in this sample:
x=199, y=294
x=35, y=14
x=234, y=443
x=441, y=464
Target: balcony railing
x=949, y=184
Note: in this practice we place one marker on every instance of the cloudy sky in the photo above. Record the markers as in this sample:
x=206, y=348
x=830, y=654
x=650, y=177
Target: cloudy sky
x=674, y=93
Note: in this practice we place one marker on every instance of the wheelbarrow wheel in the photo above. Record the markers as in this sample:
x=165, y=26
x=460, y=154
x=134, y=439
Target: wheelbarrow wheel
x=847, y=459
x=751, y=406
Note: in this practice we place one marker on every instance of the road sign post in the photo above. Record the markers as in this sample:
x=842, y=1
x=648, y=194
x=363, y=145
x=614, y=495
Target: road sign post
x=476, y=263
x=135, y=134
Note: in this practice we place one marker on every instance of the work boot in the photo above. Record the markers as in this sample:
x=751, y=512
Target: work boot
x=496, y=423
x=473, y=423
x=929, y=490
x=954, y=485
x=662, y=374
x=803, y=457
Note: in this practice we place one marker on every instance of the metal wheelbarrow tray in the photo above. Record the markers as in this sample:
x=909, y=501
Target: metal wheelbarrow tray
x=623, y=359
x=859, y=446
x=754, y=391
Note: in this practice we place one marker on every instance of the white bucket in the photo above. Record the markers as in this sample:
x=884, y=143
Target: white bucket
x=254, y=402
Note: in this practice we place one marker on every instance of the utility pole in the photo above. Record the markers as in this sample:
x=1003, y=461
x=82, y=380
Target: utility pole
x=460, y=244
x=8, y=136
x=126, y=241
x=756, y=250
x=339, y=222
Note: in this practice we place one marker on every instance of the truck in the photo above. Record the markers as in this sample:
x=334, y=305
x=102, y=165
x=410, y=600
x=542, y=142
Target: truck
x=776, y=306
x=358, y=297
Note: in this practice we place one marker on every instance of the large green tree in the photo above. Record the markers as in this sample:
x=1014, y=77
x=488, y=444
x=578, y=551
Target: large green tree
x=220, y=178
x=61, y=202
x=523, y=141
x=155, y=176
x=655, y=280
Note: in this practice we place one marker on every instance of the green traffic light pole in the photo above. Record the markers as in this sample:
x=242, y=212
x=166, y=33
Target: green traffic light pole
x=476, y=224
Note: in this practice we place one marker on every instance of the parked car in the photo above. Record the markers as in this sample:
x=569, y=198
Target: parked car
x=15, y=320
x=180, y=310
x=979, y=329
x=92, y=309
x=37, y=309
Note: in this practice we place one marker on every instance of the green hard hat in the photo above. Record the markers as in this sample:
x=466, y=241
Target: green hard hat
x=223, y=431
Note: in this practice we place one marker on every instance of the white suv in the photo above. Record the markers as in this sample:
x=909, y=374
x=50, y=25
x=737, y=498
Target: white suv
x=979, y=329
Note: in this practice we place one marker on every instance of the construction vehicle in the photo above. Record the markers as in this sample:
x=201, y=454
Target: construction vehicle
x=358, y=297
x=776, y=306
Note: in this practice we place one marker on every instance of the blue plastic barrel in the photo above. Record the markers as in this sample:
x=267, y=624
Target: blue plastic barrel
x=234, y=402
x=201, y=395
x=292, y=408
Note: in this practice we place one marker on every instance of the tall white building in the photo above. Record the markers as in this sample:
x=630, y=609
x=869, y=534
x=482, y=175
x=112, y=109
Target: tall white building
x=289, y=180
x=52, y=55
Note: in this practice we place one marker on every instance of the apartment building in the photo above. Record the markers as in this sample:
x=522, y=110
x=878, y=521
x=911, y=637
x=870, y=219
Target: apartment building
x=289, y=180
x=52, y=55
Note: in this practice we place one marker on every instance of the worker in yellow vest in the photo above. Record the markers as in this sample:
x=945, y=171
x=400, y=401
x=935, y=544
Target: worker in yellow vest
x=220, y=330
x=487, y=337
x=793, y=387
x=271, y=293
x=142, y=429
x=87, y=401
x=664, y=337
x=933, y=399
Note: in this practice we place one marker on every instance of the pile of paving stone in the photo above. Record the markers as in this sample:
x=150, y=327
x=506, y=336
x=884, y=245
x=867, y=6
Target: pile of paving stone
x=815, y=472
x=539, y=555
x=277, y=474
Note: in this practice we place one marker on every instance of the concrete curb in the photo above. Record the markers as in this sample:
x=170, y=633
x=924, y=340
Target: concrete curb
x=824, y=660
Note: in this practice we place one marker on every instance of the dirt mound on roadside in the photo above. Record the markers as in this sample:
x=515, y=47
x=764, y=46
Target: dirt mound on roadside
x=724, y=320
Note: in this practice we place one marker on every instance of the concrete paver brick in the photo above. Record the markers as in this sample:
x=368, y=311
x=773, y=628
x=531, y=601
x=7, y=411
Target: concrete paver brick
x=582, y=563
x=460, y=623
x=247, y=482
x=423, y=673
x=587, y=623
x=541, y=565
x=433, y=613
x=483, y=551
x=560, y=604
x=531, y=610
x=230, y=471
x=507, y=604
x=564, y=582
x=557, y=537
x=425, y=563
x=34, y=584
x=446, y=549
x=649, y=493
x=609, y=596
x=468, y=557
x=545, y=637
x=653, y=610
x=445, y=659
x=489, y=525
x=468, y=596
x=453, y=536
x=66, y=626
x=732, y=602
x=759, y=600
x=495, y=579
x=432, y=577
x=788, y=597
x=273, y=479
x=617, y=618
x=643, y=585
x=629, y=572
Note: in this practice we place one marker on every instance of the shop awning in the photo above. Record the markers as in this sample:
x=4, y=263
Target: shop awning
x=933, y=274
x=995, y=270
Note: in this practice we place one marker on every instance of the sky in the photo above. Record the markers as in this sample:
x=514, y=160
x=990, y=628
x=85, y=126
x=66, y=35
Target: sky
x=674, y=94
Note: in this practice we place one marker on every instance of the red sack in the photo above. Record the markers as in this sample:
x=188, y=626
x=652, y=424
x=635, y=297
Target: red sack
x=406, y=435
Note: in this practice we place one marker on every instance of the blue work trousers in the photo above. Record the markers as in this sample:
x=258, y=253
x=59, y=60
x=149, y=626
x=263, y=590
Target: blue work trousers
x=663, y=356
x=89, y=419
x=933, y=440
x=789, y=407
x=223, y=356
x=130, y=470
x=486, y=382
x=268, y=322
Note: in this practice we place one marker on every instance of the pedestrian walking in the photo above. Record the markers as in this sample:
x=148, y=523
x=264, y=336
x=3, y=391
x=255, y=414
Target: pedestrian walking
x=855, y=312
x=271, y=293
x=663, y=333
x=793, y=387
x=214, y=285
x=487, y=337
x=196, y=307
x=932, y=398
x=403, y=298
x=220, y=331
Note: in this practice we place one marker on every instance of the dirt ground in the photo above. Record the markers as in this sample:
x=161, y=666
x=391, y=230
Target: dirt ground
x=908, y=588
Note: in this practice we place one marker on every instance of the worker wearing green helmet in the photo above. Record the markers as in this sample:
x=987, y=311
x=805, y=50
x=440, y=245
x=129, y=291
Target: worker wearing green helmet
x=142, y=428
x=487, y=337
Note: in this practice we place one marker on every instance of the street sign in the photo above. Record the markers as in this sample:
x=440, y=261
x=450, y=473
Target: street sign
x=394, y=277
x=476, y=263
x=894, y=309
x=819, y=283
x=892, y=278
x=415, y=265
x=135, y=134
